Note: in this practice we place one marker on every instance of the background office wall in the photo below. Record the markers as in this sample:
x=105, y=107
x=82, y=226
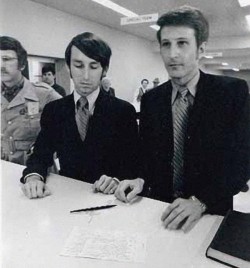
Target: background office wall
x=45, y=31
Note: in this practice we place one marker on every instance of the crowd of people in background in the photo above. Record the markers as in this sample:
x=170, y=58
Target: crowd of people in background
x=193, y=144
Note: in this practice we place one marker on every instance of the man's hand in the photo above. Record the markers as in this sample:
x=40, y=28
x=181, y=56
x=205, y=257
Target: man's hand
x=182, y=213
x=35, y=188
x=136, y=186
x=106, y=184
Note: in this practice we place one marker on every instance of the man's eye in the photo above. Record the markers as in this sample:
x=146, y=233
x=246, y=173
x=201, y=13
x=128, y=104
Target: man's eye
x=94, y=66
x=165, y=44
x=182, y=43
x=78, y=65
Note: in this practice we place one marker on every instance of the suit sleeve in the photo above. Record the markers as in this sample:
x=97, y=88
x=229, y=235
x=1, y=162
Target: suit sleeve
x=43, y=150
x=143, y=155
x=237, y=168
x=128, y=144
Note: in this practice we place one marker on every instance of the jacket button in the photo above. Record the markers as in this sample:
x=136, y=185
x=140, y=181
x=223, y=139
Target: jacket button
x=11, y=138
x=11, y=152
x=9, y=122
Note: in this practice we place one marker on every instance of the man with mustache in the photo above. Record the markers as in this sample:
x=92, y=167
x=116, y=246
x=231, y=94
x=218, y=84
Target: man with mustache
x=194, y=129
x=21, y=103
x=94, y=134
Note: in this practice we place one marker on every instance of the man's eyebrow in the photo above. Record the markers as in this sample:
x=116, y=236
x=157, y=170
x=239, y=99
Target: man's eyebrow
x=80, y=61
x=178, y=38
x=76, y=60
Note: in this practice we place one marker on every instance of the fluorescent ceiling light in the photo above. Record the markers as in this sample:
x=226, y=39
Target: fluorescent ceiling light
x=224, y=64
x=236, y=69
x=122, y=10
x=116, y=8
x=208, y=57
x=155, y=27
x=244, y=3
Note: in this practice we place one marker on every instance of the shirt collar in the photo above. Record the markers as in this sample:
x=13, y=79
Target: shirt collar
x=91, y=99
x=191, y=85
x=27, y=93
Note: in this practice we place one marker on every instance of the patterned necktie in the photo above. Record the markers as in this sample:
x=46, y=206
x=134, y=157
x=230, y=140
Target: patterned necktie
x=82, y=116
x=180, y=127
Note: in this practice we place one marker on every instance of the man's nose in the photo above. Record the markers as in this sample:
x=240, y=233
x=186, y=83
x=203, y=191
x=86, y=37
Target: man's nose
x=3, y=63
x=173, y=52
x=86, y=73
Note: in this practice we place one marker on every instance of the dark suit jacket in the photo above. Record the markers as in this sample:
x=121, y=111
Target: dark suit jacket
x=59, y=89
x=112, y=91
x=109, y=147
x=216, y=151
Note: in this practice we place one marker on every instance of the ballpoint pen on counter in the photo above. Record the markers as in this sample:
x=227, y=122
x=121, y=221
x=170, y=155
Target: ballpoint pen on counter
x=92, y=208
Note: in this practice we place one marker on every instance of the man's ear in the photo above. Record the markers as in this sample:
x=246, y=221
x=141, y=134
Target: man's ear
x=104, y=72
x=68, y=68
x=22, y=68
x=202, y=50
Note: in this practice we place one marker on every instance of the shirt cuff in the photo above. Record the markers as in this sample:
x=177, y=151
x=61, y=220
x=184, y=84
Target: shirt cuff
x=31, y=174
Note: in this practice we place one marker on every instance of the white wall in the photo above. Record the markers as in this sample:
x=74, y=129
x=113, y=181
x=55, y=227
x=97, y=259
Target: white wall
x=45, y=31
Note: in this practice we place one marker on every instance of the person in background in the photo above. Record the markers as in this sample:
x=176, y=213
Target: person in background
x=49, y=76
x=194, y=129
x=156, y=82
x=21, y=103
x=106, y=85
x=138, y=95
x=93, y=134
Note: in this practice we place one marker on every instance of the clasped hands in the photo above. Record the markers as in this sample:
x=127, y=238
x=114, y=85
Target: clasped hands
x=181, y=214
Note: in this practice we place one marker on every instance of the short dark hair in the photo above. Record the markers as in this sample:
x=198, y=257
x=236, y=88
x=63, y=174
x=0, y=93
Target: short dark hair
x=92, y=46
x=48, y=67
x=10, y=43
x=144, y=80
x=186, y=16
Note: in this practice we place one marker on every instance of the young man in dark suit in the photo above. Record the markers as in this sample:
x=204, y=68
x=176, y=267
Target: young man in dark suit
x=194, y=129
x=93, y=133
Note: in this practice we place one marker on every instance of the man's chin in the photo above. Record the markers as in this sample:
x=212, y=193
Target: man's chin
x=176, y=75
x=85, y=91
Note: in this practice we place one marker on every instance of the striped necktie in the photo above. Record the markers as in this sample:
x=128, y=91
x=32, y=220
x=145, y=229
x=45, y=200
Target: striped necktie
x=180, y=127
x=82, y=116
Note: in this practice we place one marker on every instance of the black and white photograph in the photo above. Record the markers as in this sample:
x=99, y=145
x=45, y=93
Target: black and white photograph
x=125, y=133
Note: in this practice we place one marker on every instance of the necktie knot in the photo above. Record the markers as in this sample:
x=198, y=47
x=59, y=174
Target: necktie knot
x=183, y=91
x=82, y=103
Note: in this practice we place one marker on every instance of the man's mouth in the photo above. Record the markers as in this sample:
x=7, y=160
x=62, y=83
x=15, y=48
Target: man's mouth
x=85, y=84
x=175, y=64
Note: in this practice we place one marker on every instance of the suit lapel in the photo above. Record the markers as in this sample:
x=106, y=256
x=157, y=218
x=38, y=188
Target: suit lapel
x=101, y=104
x=164, y=107
x=68, y=118
x=202, y=100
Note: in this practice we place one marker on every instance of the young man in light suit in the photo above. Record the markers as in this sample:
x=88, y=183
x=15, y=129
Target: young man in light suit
x=194, y=129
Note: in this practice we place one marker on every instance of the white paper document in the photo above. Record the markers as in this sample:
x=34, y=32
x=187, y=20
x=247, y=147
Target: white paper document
x=105, y=245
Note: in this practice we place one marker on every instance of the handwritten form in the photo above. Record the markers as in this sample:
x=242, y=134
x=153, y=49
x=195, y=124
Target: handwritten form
x=105, y=245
